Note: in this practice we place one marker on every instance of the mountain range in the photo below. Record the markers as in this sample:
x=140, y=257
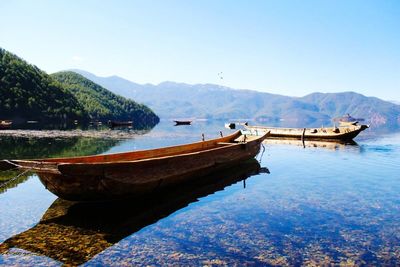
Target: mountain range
x=28, y=93
x=209, y=101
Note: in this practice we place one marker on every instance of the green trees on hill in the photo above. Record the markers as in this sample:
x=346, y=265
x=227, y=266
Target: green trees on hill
x=28, y=93
x=102, y=104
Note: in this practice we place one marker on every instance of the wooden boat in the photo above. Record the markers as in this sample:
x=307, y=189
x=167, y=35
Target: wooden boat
x=182, y=122
x=124, y=175
x=74, y=232
x=120, y=123
x=343, y=133
x=347, y=119
x=5, y=124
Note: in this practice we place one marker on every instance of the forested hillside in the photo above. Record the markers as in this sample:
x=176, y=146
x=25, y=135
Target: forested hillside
x=102, y=104
x=27, y=93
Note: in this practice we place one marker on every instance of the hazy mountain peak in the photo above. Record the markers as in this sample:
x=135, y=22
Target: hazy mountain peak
x=171, y=84
x=82, y=72
x=92, y=76
x=116, y=77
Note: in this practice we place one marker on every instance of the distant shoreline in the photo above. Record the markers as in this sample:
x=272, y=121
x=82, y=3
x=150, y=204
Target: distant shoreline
x=73, y=133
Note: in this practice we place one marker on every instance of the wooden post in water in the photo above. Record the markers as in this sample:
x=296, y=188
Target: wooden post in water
x=302, y=137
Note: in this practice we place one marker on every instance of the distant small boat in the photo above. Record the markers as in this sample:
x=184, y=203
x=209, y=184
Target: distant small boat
x=120, y=123
x=230, y=125
x=343, y=133
x=5, y=124
x=347, y=119
x=234, y=125
x=131, y=174
x=182, y=122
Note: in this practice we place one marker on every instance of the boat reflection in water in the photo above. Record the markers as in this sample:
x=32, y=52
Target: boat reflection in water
x=74, y=232
x=333, y=145
x=11, y=179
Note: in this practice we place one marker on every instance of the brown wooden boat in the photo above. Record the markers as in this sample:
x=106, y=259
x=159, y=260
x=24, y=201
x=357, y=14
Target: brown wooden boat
x=120, y=123
x=124, y=175
x=74, y=232
x=343, y=133
x=5, y=124
x=347, y=118
x=182, y=122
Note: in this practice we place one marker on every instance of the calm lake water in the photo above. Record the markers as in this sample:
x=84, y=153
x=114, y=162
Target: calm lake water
x=322, y=203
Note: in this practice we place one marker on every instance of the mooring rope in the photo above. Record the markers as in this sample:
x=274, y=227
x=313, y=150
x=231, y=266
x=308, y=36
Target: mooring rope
x=19, y=175
x=262, y=153
x=14, y=178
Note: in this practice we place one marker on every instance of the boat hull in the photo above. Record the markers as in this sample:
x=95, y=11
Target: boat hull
x=131, y=174
x=125, y=180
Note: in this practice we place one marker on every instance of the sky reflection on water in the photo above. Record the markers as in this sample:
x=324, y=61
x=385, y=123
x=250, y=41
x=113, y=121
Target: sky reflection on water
x=318, y=205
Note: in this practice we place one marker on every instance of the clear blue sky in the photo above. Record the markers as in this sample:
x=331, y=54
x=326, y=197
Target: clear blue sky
x=286, y=47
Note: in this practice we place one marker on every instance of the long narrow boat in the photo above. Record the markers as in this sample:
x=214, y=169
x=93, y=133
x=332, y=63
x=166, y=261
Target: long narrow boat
x=119, y=123
x=5, y=124
x=182, y=122
x=130, y=174
x=74, y=232
x=342, y=133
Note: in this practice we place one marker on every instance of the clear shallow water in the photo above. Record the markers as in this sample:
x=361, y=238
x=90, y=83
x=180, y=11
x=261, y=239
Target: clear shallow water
x=320, y=204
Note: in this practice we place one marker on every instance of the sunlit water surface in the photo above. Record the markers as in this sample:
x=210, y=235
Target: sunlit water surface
x=323, y=203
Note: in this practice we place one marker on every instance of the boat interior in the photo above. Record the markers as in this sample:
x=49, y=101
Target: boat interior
x=230, y=140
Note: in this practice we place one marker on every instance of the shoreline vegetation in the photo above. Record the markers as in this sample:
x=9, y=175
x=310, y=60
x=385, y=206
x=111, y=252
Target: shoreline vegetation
x=106, y=134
